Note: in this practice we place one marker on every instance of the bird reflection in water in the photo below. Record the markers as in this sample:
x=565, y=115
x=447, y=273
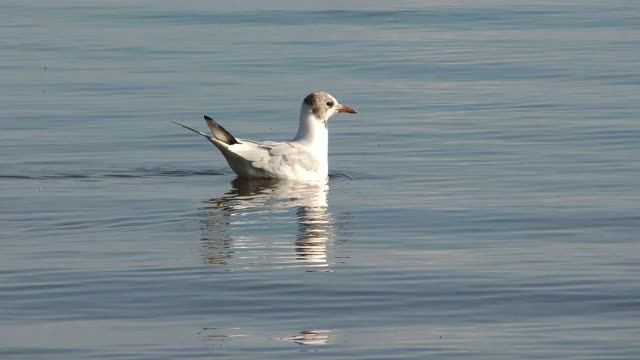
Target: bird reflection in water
x=313, y=337
x=261, y=206
x=307, y=337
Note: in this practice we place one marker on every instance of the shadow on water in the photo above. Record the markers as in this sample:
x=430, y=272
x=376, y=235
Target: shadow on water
x=253, y=212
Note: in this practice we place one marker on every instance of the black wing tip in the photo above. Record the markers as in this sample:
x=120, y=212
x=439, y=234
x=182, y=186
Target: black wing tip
x=219, y=132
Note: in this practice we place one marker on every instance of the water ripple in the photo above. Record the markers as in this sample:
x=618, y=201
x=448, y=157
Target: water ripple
x=119, y=174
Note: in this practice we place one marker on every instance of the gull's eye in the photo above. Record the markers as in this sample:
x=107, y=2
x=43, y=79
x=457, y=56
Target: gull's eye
x=330, y=103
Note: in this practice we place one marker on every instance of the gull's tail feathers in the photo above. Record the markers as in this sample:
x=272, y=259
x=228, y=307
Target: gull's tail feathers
x=192, y=129
x=219, y=132
x=217, y=143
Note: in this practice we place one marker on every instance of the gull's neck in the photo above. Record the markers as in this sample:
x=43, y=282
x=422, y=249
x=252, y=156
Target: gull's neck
x=313, y=133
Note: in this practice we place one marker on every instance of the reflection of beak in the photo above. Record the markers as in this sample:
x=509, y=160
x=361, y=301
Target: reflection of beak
x=347, y=109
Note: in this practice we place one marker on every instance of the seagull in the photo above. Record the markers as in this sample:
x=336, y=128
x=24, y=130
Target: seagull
x=303, y=158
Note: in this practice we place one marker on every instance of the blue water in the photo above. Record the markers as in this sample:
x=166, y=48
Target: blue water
x=484, y=203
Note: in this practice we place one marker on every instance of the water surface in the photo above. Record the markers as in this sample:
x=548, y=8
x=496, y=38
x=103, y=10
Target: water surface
x=483, y=204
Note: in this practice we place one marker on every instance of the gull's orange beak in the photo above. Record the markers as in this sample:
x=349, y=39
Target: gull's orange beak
x=347, y=109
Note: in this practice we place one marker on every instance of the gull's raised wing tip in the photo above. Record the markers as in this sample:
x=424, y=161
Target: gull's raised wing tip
x=219, y=132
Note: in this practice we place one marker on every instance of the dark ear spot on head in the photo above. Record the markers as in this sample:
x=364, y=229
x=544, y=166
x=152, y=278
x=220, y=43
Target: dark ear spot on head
x=308, y=100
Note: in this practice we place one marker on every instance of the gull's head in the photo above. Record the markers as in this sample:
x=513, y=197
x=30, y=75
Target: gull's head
x=323, y=106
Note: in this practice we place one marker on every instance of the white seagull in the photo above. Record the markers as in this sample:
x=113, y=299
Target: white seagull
x=303, y=158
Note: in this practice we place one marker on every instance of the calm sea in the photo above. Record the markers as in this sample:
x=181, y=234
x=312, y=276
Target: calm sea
x=484, y=204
